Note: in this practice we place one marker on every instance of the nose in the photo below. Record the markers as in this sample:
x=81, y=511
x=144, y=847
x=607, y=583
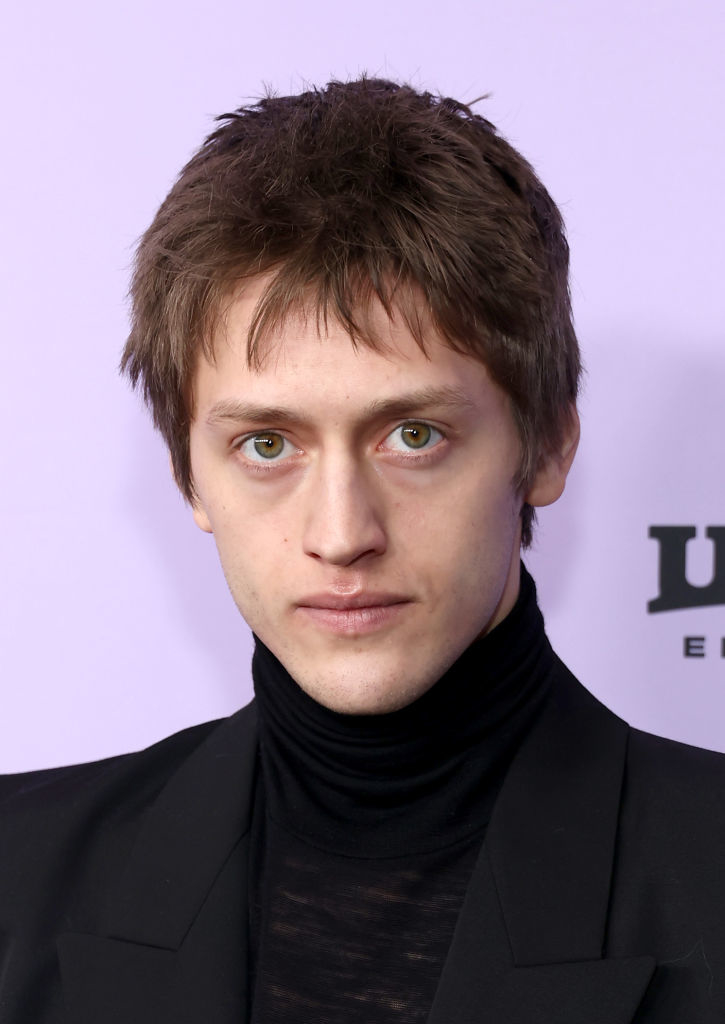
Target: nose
x=344, y=520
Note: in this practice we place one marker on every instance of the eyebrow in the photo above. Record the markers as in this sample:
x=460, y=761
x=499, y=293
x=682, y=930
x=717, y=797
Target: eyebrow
x=444, y=397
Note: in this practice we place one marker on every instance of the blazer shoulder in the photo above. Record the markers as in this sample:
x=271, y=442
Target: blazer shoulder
x=669, y=788
x=108, y=795
x=654, y=764
x=678, y=786
x=24, y=790
x=65, y=832
x=674, y=762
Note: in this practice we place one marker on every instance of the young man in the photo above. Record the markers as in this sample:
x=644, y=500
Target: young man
x=351, y=321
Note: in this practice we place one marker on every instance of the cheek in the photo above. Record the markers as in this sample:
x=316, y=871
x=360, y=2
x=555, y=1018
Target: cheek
x=477, y=531
x=459, y=536
x=455, y=511
x=477, y=505
x=250, y=576
x=255, y=549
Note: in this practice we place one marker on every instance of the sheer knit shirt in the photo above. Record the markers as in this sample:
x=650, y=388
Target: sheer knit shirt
x=367, y=827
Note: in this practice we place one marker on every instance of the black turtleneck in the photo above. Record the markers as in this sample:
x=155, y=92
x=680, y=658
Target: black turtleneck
x=368, y=826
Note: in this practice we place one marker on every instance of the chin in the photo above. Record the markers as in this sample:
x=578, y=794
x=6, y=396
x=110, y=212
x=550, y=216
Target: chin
x=361, y=697
x=363, y=704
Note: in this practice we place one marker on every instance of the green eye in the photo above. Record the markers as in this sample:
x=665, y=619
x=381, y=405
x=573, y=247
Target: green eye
x=266, y=450
x=416, y=435
x=269, y=446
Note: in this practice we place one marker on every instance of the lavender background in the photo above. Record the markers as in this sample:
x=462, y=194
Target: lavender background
x=116, y=625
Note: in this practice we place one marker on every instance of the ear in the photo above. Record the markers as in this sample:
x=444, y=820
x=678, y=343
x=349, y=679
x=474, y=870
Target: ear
x=200, y=517
x=548, y=483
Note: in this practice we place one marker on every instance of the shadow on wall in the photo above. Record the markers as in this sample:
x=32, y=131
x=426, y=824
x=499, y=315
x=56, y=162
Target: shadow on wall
x=196, y=590
x=653, y=422
x=658, y=421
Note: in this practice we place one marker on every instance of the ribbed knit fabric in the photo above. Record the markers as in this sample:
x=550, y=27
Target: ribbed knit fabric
x=367, y=828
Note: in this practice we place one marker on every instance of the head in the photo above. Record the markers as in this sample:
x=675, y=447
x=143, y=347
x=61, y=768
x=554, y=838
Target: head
x=392, y=236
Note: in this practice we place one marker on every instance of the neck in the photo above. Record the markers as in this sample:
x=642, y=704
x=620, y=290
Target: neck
x=424, y=775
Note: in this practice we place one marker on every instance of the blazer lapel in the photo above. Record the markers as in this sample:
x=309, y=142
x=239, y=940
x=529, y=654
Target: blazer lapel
x=528, y=946
x=529, y=943
x=172, y=941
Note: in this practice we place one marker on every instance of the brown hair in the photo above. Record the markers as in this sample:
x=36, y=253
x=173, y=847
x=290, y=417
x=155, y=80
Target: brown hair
x=355, y=191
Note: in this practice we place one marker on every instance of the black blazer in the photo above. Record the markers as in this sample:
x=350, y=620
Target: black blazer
x=598, y=896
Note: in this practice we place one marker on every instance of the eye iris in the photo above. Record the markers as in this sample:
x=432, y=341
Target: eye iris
x=416, y=435
x=268, y=445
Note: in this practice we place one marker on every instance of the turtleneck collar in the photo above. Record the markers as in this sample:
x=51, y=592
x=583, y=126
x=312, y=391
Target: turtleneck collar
x=411, y=780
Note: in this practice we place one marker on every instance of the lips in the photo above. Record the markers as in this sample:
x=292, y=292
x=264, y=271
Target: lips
x=338, y=602
x=353, y=614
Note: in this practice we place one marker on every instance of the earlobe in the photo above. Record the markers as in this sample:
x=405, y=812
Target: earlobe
x=548, y=484
x=200, y=518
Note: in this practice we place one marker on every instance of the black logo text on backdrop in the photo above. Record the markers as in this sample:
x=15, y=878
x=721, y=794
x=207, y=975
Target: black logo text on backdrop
x=675, y=590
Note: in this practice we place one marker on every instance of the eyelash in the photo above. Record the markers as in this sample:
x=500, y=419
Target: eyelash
x=257, y=467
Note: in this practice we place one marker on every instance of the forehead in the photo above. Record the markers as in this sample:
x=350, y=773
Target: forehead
x=305, y=361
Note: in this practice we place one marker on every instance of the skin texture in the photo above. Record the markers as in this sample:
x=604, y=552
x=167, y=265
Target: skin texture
x=356, y=500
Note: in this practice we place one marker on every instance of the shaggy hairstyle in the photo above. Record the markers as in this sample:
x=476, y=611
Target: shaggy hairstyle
x=359, y=191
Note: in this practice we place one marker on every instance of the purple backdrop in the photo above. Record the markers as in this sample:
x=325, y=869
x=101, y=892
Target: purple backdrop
x=117, y=627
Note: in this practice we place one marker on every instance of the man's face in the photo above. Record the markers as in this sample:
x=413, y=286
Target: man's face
x=362, y=503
